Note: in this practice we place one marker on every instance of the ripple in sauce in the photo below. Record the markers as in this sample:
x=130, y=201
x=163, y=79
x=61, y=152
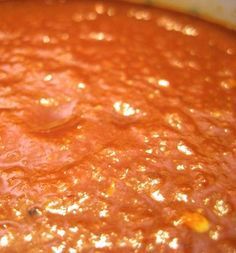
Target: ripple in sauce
x=117, y=129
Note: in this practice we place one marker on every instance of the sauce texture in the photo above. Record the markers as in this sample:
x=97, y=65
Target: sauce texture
x=117, y=129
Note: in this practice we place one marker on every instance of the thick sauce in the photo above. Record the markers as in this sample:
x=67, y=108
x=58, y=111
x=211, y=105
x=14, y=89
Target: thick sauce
x=117, y=130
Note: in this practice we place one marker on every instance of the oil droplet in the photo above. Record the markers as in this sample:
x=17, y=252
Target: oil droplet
x=125, y=109
x=230, y=51
x=139, y=15
x=79, y=244
x=74, y=229
x=173, y=244
x=172, y=25
x=149, y=151
x=214, y=235
x=157, y=196
x=91, y=16
x=61, y=232
x=228, y=84
x=46, y=39
x=100, y=36
x=48, y=78
x=196, y=221
x=58, y=249
x=163, y=83
x=4, y=241
x=181, y=197
x=111, y=12
x=72, y=250
x=162, y=236
x=184, y=149
x=190, y=31
x=103, y=213
x=180, y=167
x=221, y=208
x=28, y=238
x=102, y=242
x=48, y=102
x=174, y=120
x=99, y=8
x=81, y=85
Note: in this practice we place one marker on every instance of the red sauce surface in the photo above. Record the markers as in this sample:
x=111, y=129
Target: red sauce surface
x=117, y=130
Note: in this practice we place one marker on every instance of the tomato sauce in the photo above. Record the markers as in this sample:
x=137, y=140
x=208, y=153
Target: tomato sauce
x=117, y=129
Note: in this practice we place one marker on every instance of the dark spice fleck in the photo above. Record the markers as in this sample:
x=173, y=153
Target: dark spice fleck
x=34, y=211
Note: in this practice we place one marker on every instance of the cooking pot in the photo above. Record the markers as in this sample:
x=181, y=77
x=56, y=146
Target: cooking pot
x=219, y=11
